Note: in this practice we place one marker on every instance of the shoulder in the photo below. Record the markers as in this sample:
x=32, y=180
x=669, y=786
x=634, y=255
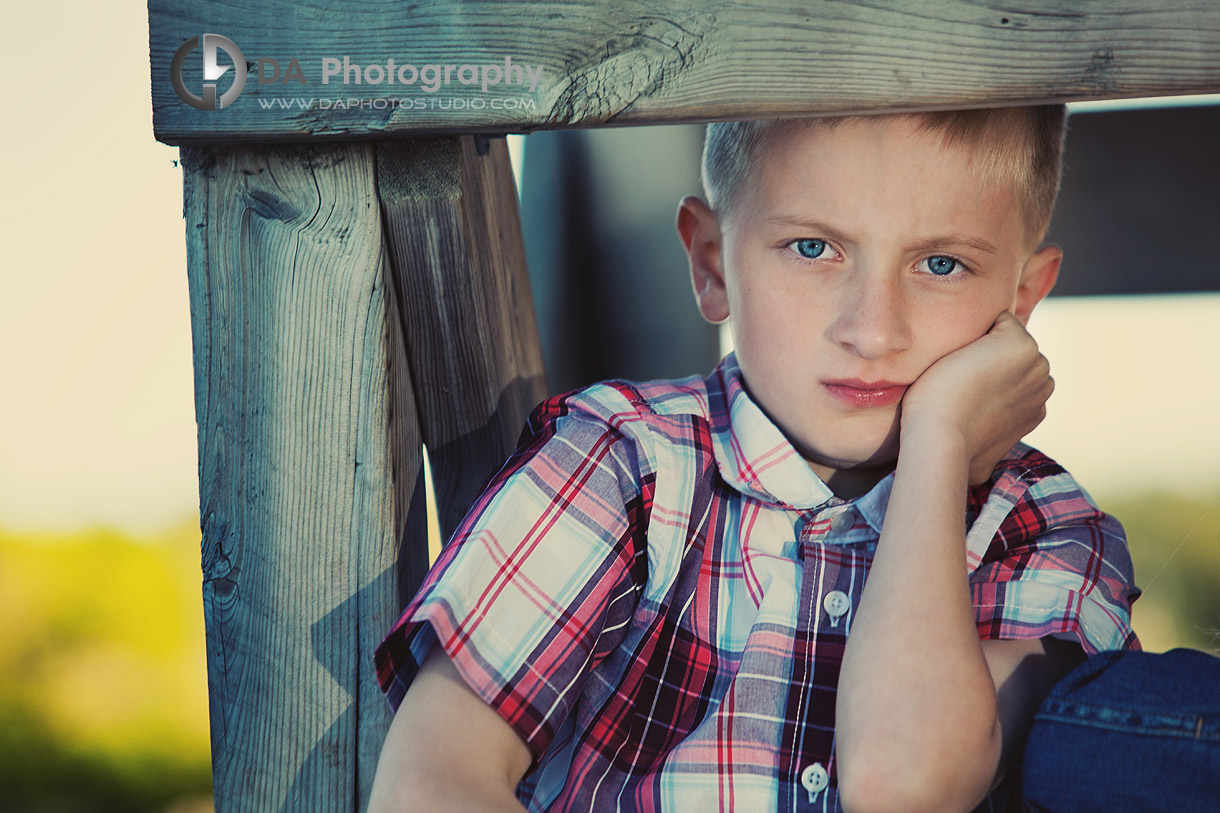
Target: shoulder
x=1027, y=478
x=1045, y=559
x=1028, y=495
x=644, y=412
x=618, y=400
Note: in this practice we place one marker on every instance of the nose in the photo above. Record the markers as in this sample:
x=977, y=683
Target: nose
x=873, y=319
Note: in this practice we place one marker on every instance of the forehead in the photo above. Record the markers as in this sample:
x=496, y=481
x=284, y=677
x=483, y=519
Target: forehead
x=879, y=175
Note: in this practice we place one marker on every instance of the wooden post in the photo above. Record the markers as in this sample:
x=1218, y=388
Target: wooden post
x=309, y=437
x=308, y=448
x=450, y=210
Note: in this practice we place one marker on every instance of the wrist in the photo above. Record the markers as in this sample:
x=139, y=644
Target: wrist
x=921, y=434
x=934, y=450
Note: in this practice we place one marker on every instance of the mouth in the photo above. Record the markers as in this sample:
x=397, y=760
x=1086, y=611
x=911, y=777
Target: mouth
x=864, y=394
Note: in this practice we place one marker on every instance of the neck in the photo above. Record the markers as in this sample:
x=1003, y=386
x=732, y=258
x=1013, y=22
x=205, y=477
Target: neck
x=848, y=484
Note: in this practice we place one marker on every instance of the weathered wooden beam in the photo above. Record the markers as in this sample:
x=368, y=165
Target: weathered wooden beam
x=599, y=62
x=333, y=332
x=309, y=465
x=450, y=210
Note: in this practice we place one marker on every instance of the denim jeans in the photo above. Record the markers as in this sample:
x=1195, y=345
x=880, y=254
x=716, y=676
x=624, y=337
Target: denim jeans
x=1129, y=731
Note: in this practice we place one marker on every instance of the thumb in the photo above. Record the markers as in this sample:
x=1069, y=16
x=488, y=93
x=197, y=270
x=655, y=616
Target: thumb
x=1006, y=321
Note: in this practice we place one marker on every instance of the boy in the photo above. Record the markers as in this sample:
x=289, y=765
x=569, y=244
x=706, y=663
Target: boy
x=659, y=602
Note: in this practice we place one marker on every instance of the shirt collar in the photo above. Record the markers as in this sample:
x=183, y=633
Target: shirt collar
x=755, y=457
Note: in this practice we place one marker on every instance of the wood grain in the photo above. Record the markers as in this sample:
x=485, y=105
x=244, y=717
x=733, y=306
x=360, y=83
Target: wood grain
x=450, y=212
x=308, y=460
x=619, y=62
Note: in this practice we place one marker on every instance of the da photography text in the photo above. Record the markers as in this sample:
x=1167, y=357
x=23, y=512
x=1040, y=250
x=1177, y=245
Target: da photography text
x=395, y=75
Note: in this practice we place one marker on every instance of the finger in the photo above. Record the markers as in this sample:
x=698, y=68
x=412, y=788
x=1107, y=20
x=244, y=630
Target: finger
x=1041, y=368
x=1008, y=328
x=1004, y=318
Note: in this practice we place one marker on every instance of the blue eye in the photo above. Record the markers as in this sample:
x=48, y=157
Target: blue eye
x=941, y=266
x=810, y=248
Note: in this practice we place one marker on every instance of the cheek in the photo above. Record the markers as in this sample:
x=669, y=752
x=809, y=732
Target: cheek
x=951, y=328
x=764, y=305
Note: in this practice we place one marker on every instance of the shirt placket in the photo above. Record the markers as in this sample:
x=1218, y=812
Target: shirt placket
x=828, y=573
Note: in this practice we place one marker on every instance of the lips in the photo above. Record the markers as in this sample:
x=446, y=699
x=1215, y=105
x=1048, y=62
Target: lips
x=865, y=394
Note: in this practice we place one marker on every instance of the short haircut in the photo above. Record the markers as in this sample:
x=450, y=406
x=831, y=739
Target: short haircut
x=1018, y=145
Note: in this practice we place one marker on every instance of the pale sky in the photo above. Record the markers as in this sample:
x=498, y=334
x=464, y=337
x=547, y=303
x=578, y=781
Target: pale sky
x=97, y=421
x=96, y=383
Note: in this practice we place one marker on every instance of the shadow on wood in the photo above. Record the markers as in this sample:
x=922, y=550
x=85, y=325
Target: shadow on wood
x=309, y=450
x=327, y=344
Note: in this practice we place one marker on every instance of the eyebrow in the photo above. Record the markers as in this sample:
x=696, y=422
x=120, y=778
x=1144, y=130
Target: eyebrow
x=811, y=225
x=930, y=244
x=976, y=243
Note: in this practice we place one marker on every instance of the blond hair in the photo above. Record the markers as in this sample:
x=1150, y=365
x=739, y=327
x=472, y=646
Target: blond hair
x=1018, y=145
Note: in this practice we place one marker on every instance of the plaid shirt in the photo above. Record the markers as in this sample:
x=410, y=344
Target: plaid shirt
x=655, y=592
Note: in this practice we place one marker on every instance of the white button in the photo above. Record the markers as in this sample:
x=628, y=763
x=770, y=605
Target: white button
x=814, y=779
x=836, y=603
x=842, y=522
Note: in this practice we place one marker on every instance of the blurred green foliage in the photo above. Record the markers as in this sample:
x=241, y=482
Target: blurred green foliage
x=1175, y=545
x=103, y=682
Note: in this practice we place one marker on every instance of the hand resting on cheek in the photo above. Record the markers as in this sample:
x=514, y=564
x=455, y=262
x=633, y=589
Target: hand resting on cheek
x=991, y=392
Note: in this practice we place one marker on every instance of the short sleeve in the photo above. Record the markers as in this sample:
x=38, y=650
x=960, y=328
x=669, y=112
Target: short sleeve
x=539, y=580
x=1046, y=561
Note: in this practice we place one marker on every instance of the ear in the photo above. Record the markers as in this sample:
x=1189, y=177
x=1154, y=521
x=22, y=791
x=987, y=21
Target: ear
x=699, y=228
x=1037, y=278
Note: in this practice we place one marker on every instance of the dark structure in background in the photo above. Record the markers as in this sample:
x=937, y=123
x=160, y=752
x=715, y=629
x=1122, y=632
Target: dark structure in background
x=609, y=276
x=1137, y=215
x=1140, y=211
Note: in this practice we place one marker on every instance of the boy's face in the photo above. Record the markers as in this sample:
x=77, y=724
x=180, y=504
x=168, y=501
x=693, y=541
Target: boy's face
x=853, y=259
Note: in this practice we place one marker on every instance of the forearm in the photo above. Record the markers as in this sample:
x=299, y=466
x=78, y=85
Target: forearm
x=916, y=714
x=447, y=750
x=436, y=792
x=419, y=779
